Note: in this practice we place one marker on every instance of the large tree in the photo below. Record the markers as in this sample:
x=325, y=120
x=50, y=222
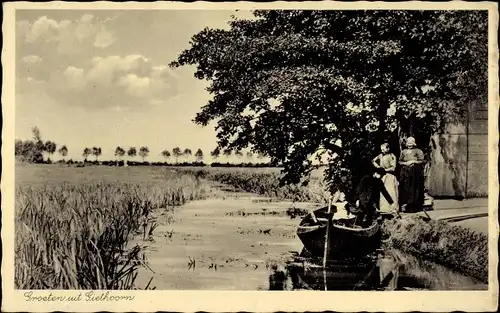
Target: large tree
x=187, y=153
x=63, y=151
x=199, y=155
x=290, y=83
x=132, y=152
x=86, y=153
x=96, y=151
x=215, y=153
x=39, y=146
x=177, y=152
x=50, y=147
x=119, y=153
x=143, y=152
x=27, y=151
x=166, y=154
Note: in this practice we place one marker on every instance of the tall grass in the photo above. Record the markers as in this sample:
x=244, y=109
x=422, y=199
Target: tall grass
x=453, y=246
x=263, y=182
x=75, y=236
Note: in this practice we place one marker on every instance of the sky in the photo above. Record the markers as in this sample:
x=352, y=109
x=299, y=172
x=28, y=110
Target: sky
x=101, y=78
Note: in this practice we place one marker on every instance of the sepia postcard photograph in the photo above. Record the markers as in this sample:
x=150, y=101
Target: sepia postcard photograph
x=250, y=156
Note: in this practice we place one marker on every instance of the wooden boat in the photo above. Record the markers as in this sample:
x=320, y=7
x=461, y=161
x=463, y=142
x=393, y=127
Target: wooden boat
x=345, y=239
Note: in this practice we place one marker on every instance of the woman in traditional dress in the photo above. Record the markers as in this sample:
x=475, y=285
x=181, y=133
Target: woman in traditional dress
x=387, y=161
x=411, y=180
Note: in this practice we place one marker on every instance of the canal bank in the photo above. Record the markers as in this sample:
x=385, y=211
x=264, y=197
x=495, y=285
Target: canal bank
x=449, y=238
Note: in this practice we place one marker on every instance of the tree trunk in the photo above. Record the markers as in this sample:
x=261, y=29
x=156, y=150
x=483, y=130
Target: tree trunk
x=382, y=116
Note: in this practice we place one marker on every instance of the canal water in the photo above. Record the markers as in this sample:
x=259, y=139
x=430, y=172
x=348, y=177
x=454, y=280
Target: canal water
x=389, y=269
x=240, y=242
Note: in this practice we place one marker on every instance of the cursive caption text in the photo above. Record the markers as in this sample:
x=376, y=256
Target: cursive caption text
x=88, y=296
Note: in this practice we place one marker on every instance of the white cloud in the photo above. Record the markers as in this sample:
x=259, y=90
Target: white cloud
x=75, y=78
x=31, y=59
x=69, y=35
x=43, y=28
x=104, y=39
x=87, y=18
x=106, y=71
x=113, y=82
x=136, y=86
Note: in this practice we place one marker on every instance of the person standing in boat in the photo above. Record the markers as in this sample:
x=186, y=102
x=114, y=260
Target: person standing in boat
x=368, y=191
x=387, y=161
x=411, y=180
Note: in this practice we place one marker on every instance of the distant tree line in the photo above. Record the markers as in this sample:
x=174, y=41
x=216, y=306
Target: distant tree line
x=199, y=156
x=35, y=150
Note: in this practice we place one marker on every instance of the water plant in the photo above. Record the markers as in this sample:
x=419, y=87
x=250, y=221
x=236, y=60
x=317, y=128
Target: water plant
x=76, y=235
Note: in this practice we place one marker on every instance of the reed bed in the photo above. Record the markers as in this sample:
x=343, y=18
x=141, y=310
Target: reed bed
x=262, y=182
x=75, y=236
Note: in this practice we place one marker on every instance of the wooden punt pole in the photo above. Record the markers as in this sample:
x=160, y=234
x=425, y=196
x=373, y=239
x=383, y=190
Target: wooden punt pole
x=327, y=238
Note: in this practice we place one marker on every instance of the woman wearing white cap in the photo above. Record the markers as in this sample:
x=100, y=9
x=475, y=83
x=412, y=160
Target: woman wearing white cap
x=411, y=180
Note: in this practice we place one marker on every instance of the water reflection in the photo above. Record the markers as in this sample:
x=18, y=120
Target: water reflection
x=387, y=270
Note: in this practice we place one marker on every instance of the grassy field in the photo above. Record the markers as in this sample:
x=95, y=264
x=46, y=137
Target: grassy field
x=73, y=224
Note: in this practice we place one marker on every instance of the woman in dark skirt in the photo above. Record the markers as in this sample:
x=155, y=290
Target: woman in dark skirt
x=411, y=180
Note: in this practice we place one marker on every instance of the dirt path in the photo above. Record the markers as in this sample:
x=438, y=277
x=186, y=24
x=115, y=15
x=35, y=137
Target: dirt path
x=228, y=240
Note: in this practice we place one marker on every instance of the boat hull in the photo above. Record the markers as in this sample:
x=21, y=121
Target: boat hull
x=344, y=276
x=344, y=240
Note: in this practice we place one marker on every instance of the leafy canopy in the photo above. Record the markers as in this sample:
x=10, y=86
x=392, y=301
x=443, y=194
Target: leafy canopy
x=199, y=155
x=289, y=83
x=143, y=152
x=86, y=152
x=63, y=151
x=132, y=152
x=215, y=153
x=50, y=147
x=166, y=154
x=119, y=152
x=177, y=152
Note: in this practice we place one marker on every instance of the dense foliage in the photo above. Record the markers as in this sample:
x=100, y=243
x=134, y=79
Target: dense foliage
x=290, y=83
x=32, y=151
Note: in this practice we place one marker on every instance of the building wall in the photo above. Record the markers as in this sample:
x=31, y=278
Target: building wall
x=478, y=152
x=459, y=158
x=446, y=174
